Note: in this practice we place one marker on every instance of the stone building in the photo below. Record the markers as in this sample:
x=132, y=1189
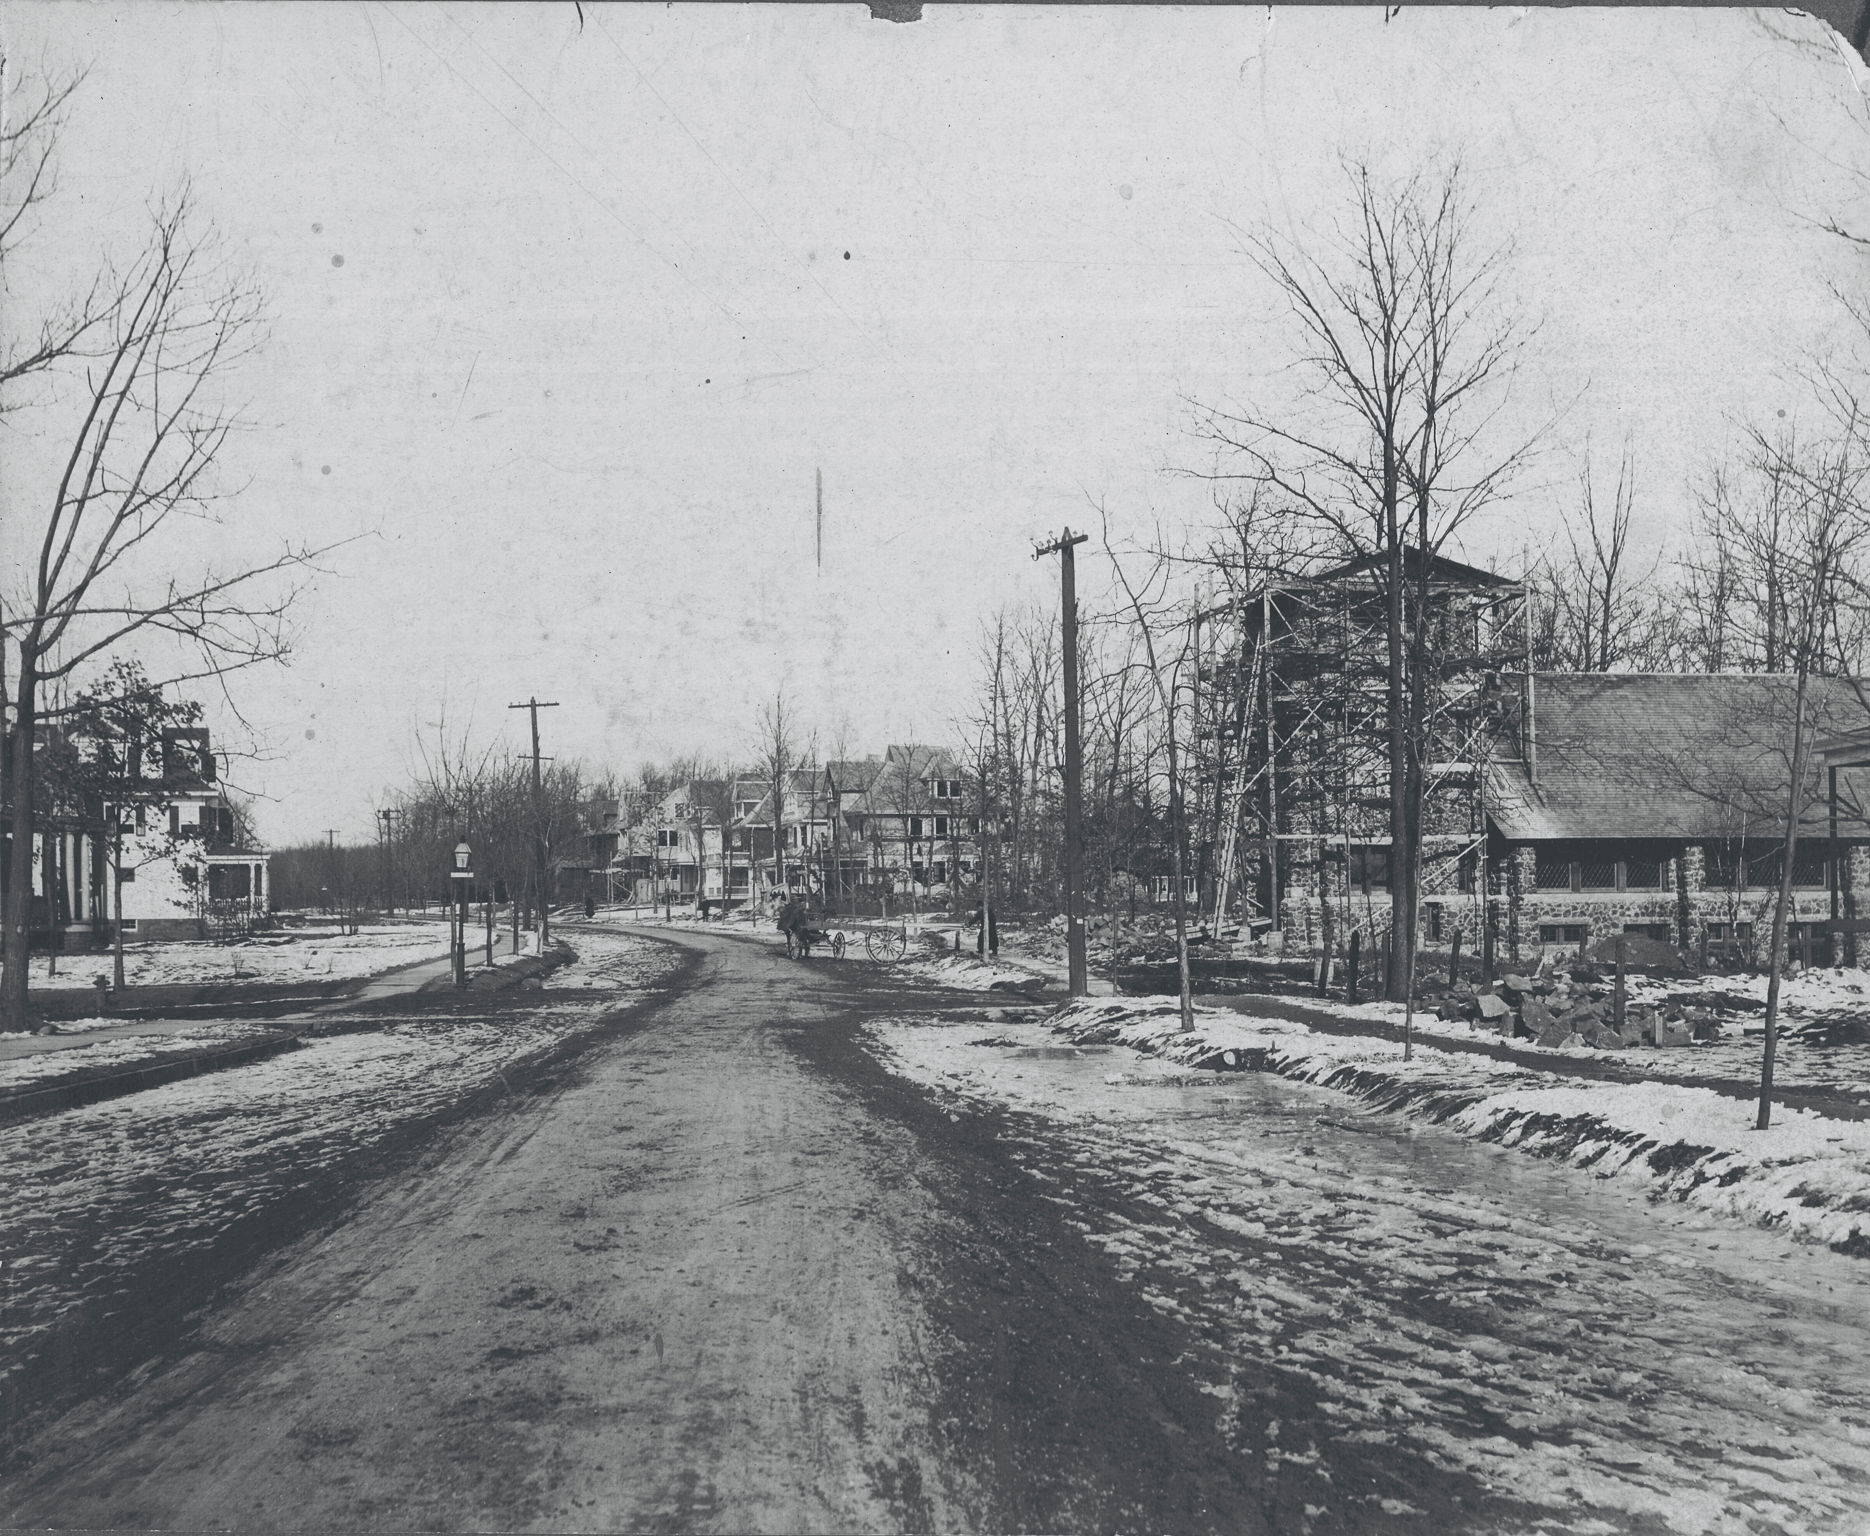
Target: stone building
x=1647, y=804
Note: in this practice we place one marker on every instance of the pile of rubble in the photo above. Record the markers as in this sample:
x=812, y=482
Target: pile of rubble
x=1575, y=1005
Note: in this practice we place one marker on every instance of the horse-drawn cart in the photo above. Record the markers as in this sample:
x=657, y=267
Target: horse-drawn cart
x=883, y=942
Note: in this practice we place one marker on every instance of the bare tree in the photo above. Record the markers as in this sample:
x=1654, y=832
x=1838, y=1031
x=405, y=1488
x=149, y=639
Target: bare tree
x=1596, y=608
x=1408, y=351
x=1167, y=637
x=33, y=108
x=1826, y=486
x=777, y=755
x=149, y=432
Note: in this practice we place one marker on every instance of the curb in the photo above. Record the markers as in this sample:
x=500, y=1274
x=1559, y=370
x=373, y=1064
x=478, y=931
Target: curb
x=27, y=1103
x=502, y=978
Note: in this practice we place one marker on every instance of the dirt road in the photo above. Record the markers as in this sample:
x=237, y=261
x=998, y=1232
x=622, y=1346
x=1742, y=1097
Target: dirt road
x=762, y=1260
x=726, y=1279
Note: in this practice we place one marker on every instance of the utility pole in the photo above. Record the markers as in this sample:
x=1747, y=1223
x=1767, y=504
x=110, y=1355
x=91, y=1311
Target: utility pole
x=538, y=817
x=388, y=817
x=820, y=524
x=331, y=866
x=1078, y=978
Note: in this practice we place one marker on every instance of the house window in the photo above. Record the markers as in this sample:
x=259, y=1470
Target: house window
x=129, y=925
x=973, y=826
x=1657, y=931
x=944, y=789
x=941, y=826
x=668, y=837
x=967, y=866
x=1466, y=871
x=915, y=826
x=940, y=870
x=1562, y=933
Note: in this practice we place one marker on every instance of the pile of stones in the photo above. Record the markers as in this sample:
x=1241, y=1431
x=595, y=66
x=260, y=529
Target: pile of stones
x=1569, y=1006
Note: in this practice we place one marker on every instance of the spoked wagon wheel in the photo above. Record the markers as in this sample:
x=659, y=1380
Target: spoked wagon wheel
x=885, y=944
x=837, y=945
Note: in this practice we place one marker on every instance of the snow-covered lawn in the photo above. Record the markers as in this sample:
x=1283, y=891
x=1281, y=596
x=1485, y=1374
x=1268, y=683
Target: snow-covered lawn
x=107, y=1201
x=1807, y=1174
x=305, y=954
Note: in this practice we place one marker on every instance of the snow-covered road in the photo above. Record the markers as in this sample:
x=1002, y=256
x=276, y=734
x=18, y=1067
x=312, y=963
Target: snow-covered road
x=804, y=1247
x=1356, y=1290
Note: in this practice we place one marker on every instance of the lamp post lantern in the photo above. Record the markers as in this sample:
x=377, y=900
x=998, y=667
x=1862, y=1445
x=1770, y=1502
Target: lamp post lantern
x=463, y=880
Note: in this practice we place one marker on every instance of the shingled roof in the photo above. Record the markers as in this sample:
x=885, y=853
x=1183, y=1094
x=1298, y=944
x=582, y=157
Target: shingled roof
x=1645, y=755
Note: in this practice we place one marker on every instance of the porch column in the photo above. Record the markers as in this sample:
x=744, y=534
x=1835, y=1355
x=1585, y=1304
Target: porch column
x=1691, y=875
x=1522, y=901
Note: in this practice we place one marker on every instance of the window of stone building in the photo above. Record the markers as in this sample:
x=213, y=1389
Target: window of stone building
x=1596, y=872
x=1562, y=933
x=1811, y=868
x=1553, y=867
x=1643, y=872
x=1369, y=866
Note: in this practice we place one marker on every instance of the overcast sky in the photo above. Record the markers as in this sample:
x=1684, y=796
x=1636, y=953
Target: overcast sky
x=567, y=313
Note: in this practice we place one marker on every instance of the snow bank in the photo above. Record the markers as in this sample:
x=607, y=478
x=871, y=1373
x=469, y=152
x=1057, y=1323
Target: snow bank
x=1808, y=1174
x=968, y=974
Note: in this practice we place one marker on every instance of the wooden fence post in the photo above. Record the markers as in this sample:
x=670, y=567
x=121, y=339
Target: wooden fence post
x=1454, y=959
x=1357, y=941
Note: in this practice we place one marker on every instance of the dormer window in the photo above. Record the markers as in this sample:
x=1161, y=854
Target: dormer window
x=944, y=789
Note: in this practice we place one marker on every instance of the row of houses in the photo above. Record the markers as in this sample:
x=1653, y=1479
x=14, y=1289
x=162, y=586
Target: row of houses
x=167, y=845
x=874, y=834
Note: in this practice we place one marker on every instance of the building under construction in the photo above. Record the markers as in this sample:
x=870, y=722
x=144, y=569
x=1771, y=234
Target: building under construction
x=1293, y=734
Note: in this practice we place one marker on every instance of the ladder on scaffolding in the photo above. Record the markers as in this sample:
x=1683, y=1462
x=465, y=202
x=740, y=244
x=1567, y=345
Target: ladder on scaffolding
x=1234, y=800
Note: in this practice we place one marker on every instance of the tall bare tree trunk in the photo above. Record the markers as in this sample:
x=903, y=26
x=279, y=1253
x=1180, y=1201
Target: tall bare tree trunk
x=1783, y=902
x=18, y=897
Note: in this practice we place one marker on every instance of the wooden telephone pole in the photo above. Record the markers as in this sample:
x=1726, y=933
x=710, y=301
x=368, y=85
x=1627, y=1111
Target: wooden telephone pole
x=533, y=706
x=1078, y=981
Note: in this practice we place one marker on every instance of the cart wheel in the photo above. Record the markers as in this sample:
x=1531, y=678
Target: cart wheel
x=885, y=944
x=837, y=946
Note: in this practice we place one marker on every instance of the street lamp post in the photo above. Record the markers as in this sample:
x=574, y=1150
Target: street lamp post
x=463, y=879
